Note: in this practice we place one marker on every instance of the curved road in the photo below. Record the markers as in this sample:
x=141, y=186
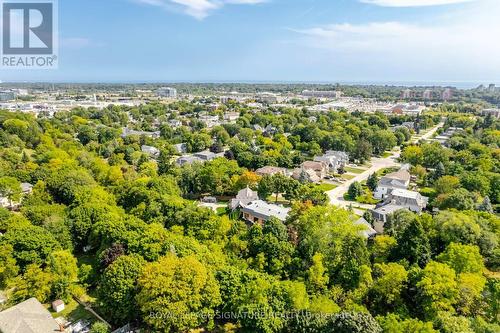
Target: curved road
x=337, y=195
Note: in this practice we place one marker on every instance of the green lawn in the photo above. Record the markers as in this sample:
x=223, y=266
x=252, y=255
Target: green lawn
x=347, y=177
x=73, y=311
x=385, y=171
x=281, y=200
x=386, y=154
x=325, y=187
x=221, y=211
x=354, y=170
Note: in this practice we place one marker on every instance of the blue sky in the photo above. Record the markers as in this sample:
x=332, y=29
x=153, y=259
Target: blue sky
x=275, y=40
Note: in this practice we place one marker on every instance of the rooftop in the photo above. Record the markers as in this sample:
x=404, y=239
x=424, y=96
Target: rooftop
x=29, y=316
x=265, y=210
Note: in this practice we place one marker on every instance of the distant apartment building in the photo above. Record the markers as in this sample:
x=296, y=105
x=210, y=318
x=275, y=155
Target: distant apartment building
x=167, y=92
x=447, y=94
x=322, y=94
x=408, y=94
x=428, y=94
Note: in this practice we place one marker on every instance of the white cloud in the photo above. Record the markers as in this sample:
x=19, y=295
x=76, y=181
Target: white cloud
x=460, y=43
x=198, y=9
x=413, y=3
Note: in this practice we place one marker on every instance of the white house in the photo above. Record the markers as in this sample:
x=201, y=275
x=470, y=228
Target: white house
x=395, y=180
x=412, y=200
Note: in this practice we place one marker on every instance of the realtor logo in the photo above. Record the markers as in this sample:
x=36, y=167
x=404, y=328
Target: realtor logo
x=29, y=36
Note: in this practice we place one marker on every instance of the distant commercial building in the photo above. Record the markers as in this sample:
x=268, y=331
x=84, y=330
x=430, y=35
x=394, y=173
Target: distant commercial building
x=322, y=94
x=7, y=95
x=266, y=97
x=128, y=132
x=492, y=87
x=167, y=92
x=410, y=109
x=494, y=112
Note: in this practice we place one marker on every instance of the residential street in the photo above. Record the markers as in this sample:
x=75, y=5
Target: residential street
x=337, y=195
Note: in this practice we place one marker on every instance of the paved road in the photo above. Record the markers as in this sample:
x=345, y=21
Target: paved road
x=337, y=195
x=429, y=134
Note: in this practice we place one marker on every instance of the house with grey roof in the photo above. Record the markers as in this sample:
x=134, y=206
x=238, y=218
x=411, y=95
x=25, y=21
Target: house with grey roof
x=150, y=150
x=395, y=180
x=205, y=155
x=381, y=213
x=259, y=211
x=412, y=200
x=29, y=316
x=400, y=199
x=244, y=197
x=128, y=132
x=368, y=231
x=335, y=160
x=181, y=148
x=187, y=159
x=175, y=123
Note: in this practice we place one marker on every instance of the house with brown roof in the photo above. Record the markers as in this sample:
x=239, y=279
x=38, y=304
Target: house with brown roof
x=271, y=170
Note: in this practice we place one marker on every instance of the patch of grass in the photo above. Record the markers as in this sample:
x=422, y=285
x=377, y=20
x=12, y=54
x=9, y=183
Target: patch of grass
x=386, y=154
x=221, y=211
x=73, y=311
x=325, y=187
x=354, y=170
x=347, y=177
x=385, y=171
x=366, y=199
x=281, y=200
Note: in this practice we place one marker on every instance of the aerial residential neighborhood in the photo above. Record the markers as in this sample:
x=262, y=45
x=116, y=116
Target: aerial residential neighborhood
x=250, y=166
